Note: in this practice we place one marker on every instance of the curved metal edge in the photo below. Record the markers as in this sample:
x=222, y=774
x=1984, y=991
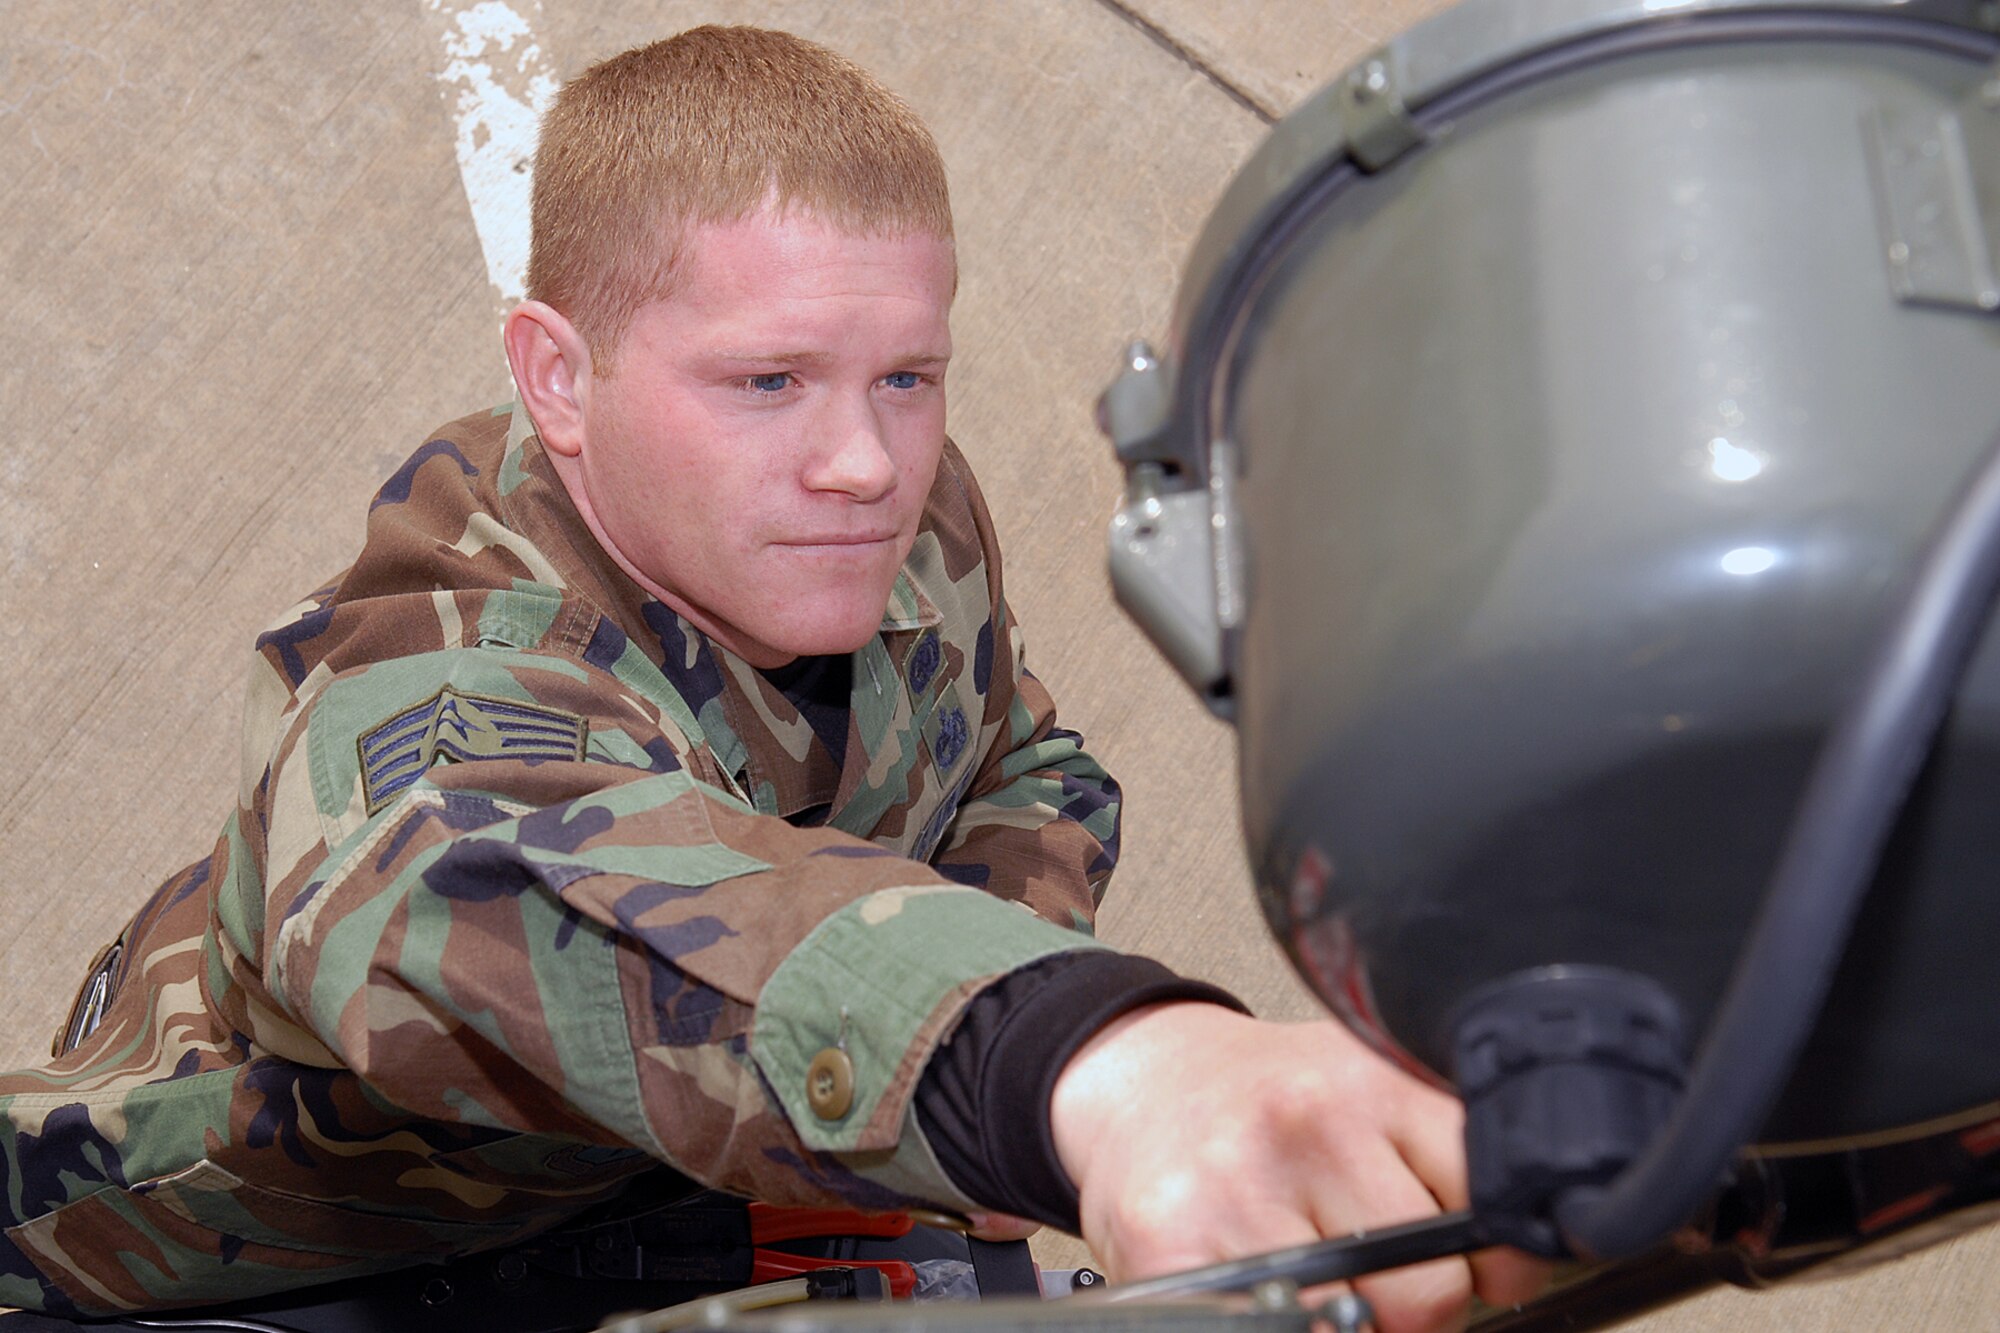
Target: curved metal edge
x=1157, y=410
x=1162, y=574
x=1396, y=82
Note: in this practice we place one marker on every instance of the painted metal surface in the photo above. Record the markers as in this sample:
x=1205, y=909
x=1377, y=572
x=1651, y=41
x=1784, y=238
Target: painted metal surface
x=1583, y=450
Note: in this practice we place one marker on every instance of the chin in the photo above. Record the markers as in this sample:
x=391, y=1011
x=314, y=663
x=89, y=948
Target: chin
x=824, y=638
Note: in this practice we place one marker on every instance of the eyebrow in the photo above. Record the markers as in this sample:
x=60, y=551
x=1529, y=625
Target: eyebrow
x=738, y=356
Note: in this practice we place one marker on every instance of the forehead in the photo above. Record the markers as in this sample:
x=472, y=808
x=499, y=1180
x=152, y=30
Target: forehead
x=776, y=265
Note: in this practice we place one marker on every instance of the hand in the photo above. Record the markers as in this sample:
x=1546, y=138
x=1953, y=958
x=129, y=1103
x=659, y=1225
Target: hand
x=1000, y=1226
x=1197, y=1135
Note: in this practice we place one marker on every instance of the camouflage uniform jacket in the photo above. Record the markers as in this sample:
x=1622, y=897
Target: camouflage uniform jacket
x=410, y=1007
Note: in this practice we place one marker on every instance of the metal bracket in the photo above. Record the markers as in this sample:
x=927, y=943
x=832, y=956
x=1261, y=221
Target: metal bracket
x=1937, y=196
x=1163, y=572
x=1137, y=408
x=1175, y=565
x=1373, y=120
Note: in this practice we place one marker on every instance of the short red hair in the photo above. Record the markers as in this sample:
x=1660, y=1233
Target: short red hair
x=707, y=127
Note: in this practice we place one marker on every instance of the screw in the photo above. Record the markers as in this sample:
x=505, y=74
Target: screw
x=436, y=1292
x=1349, y=1313
x=1277, y=1295
x=1374, y=81
x=510, y=1270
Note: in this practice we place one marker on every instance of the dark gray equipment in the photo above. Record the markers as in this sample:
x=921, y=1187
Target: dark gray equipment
x=1558, y=417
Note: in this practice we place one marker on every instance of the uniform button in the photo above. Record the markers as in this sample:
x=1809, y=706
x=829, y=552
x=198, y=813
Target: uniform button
x=830, y=1084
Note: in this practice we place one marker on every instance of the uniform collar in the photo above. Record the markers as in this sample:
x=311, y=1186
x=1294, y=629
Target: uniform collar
x=756, y=733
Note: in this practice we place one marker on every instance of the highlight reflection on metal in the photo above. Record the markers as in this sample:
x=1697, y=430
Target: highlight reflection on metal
x=1747, y=560
x=1730, y=462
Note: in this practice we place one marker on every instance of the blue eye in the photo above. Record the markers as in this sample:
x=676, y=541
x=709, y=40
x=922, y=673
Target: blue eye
x=902, y=379
x=775, y=382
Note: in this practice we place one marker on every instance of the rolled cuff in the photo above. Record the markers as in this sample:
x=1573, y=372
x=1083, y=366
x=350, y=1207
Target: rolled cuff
x=847, y=1022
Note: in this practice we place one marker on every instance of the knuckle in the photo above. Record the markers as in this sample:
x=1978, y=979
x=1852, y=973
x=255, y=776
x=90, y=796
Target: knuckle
x=1225, y=1154
x=1148, y=1223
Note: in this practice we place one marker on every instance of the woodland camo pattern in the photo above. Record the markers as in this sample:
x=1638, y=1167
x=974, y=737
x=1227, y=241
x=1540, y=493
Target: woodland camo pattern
x=531, y=887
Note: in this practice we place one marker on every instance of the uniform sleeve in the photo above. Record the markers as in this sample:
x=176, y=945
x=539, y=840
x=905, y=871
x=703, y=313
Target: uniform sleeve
x=1038, y=823
x=610, y=944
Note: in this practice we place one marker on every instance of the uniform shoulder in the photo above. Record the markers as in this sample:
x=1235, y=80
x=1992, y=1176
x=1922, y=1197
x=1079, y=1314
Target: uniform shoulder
x=476, y=443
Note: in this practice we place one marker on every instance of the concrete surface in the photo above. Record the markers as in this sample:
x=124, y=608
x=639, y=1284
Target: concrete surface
x=242, y=279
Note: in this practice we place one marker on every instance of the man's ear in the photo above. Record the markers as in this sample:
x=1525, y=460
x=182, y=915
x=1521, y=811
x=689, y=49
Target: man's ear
x=551, y=364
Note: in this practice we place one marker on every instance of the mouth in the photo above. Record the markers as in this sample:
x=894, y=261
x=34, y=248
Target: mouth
x=845, y=540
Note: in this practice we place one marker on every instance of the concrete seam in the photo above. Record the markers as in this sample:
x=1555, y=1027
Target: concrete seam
x=1165, y=40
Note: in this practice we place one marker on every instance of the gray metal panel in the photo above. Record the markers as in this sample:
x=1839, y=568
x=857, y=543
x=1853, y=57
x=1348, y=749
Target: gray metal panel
x=1583, y=452
x=1384, y=107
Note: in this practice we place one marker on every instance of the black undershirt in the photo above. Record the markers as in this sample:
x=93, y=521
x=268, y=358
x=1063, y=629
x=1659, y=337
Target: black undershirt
x=819, y=688
x=983, y=1100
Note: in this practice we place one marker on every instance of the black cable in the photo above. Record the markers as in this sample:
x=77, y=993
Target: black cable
x=1858, y=785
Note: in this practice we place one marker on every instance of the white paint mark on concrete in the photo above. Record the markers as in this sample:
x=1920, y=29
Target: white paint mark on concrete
x=500, y=81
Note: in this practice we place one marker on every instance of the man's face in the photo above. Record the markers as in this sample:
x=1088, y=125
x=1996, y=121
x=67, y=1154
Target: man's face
x=760, y=455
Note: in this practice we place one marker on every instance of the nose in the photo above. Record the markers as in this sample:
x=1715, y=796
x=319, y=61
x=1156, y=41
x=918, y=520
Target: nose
x=854, y=458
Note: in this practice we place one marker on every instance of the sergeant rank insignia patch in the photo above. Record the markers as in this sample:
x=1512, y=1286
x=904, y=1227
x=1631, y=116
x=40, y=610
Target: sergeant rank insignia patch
x=450, y=727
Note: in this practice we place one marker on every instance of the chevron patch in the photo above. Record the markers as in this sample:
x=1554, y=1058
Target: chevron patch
x=450, y=727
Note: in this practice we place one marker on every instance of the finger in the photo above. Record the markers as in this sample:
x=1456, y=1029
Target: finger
x=1431, y=1138
x=1001, y=1227
x=1430, y=1133
x=1423, y=1298
x=1377, y=1189
x=1171, y=1223
x=1504, y=1276
x=1317, y=1298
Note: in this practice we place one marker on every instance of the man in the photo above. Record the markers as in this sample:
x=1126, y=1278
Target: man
x=663, y=784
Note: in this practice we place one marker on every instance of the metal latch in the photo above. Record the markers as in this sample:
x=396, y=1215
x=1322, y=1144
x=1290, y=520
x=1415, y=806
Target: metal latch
x=1937, y=196
x=1376, y=125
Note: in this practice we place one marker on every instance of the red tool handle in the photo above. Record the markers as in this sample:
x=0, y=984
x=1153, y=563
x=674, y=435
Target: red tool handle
x=775, y=1265
x=768, y=1223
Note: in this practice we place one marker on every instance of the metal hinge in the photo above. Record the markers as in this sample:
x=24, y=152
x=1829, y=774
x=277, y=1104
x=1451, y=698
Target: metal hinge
x=1937, y=196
